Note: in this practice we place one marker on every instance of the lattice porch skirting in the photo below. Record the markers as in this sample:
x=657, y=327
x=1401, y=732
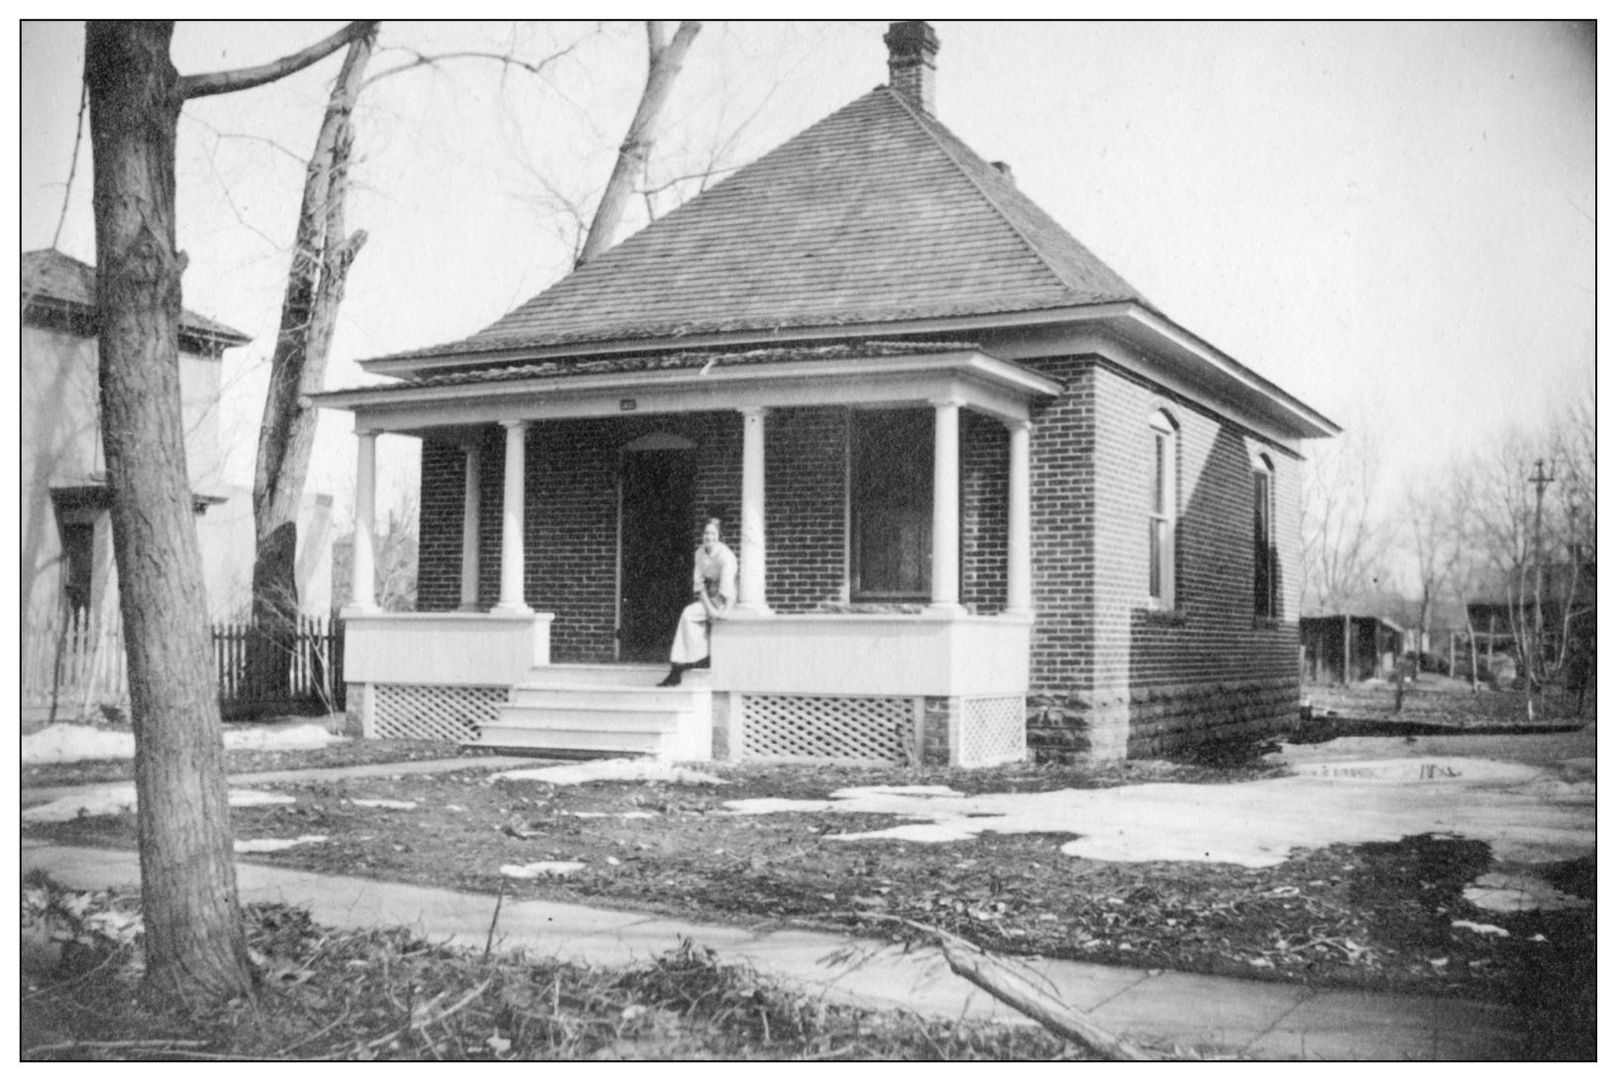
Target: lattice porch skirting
x=432, y=712
x=873, y=729
x=973, y=731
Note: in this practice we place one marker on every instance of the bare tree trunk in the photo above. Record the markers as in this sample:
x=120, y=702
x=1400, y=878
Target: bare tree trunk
x=664, y=63
x=194, y=939
x=315, y=290
x=193, y=923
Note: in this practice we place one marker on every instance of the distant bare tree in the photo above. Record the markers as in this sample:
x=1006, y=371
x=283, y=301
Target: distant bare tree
x=1434, y=539
x=1343, y=536
x=396, y=557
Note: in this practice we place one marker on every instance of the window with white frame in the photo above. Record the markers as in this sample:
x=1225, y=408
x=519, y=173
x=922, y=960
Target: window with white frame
x=1163, y=514
x=1265, y=563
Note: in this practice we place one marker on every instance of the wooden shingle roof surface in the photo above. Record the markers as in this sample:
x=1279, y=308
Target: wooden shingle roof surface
x=876, y=214
x=53, y=277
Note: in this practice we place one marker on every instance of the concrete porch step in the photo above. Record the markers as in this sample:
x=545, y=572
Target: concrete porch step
x=565, y=740
x=614, y=675
x=593, y=709
x=525, y=716
x=605, y=698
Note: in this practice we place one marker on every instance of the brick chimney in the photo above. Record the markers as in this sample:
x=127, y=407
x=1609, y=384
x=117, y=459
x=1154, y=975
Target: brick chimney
x=913, y=46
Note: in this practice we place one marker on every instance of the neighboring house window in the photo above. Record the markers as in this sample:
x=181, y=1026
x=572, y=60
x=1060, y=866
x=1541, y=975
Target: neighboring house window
x=892, y=474
x=78, y=558
x=1163, y=509
x=1265, y=566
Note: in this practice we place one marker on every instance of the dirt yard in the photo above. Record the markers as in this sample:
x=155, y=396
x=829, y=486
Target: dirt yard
x=1380, y=915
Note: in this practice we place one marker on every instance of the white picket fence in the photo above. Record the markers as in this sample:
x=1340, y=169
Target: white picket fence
x=74, y=663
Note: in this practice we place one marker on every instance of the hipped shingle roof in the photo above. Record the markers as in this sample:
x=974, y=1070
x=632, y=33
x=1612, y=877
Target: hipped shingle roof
x=53, y=277
x=877, y=214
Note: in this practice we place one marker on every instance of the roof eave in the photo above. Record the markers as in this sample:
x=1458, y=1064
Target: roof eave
x=413, y=363
x=1130, y=319
x=969, y=363
x=1160, y=334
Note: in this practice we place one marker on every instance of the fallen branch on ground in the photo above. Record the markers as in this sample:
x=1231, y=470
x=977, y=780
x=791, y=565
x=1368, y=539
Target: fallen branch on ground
x=1000, y=979
x=422, y=1020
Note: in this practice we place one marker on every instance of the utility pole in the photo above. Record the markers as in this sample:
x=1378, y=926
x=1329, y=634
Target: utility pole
x=1535, y=669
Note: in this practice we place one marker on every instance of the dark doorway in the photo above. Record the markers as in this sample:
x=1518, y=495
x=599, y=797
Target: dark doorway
x=657, y=538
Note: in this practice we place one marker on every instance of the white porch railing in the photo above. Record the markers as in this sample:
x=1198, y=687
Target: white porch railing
x=434, y=674
x=872, y=654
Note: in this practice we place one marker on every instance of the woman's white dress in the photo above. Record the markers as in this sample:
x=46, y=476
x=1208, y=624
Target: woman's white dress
x=714, y=571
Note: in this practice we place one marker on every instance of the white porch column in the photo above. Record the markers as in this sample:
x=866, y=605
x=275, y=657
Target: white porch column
x=470, y=530
x=362, y=595
x=1018, y=600
x=944, y=530
x=512, y=593
x=752, y=522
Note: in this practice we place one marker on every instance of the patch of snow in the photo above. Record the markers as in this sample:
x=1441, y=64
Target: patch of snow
x=1482, y=928
x=392, y=805
x=64, y=743
x=67, y=743
x=305, y=738
x=541, y=867
x=1496, y=892
x=773, y=805
x=113, y=799
x=275, y=844
x=609, y=770
x=1340, y=795
x=895, y=791
x=609, y=815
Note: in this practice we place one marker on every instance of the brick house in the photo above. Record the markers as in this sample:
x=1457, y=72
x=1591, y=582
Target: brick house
x=985, y=496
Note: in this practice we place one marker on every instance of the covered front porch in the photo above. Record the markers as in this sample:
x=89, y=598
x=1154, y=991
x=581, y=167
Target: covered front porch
x=875, y=620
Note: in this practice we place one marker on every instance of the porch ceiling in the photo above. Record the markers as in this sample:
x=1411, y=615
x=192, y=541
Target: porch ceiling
x=827, y=376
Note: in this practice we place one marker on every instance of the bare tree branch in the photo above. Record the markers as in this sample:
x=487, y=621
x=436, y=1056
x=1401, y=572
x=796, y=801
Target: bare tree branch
x=664, y=63
x=73, y=164
x=420, y=59
x=207, y=85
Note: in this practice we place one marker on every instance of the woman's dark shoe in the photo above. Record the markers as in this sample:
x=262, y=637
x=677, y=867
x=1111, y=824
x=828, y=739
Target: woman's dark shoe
x=672, y=678
x=702, y=664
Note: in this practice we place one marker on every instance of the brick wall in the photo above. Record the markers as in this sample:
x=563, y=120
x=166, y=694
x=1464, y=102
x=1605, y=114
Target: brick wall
x=1111, y=674
x=983, y=505
x=571, y=517
x=805, y=507
x=439, y=526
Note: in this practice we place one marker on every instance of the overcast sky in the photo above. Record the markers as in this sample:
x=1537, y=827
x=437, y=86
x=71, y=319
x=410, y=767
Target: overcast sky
x=1394, y=222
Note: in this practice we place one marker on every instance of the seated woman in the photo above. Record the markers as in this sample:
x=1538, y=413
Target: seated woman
x=715, y=589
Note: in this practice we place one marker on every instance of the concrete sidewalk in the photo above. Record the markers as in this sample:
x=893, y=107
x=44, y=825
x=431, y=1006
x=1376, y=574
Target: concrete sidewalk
x=1273, y=1021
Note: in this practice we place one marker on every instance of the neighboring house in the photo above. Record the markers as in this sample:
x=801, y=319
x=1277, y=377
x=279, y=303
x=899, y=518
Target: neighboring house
x=67, y=535
x=67, y=543
x=1332, y=643
x=973, y=477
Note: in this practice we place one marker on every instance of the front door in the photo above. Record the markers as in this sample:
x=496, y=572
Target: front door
x=657, y=539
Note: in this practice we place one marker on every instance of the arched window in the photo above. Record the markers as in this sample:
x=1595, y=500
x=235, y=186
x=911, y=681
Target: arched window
x=1265, y=568
x=1163, y=509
